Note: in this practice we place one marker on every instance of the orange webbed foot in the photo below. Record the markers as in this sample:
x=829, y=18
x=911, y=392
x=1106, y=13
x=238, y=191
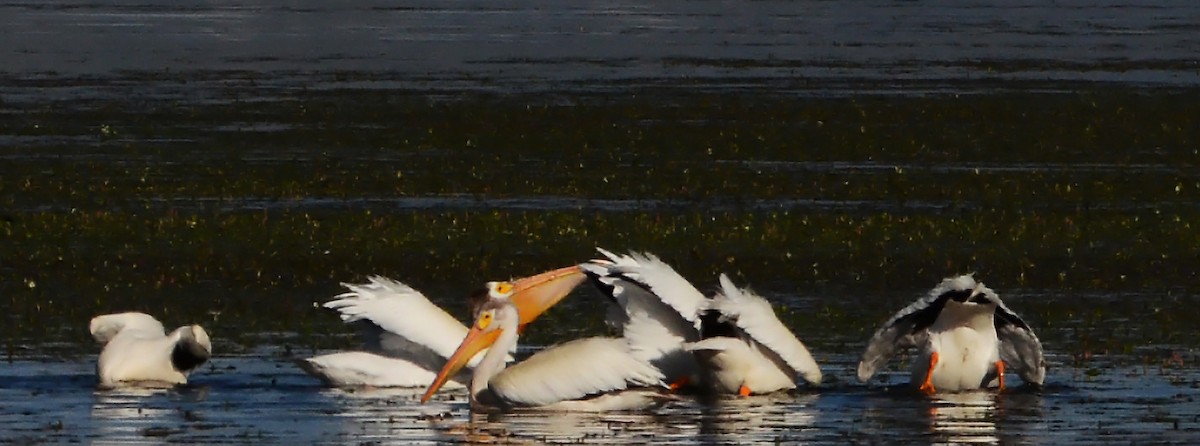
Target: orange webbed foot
x=744, y=391
x=1000, y=373
x=927, y=389
x=927, y=386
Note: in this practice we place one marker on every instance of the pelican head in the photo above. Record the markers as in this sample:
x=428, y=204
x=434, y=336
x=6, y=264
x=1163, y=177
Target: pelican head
x=493, y=315
x=525, y=299
x=192, y=348
x=499, y=290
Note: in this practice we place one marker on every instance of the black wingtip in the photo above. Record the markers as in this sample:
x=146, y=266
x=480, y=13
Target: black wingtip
x=711, y=326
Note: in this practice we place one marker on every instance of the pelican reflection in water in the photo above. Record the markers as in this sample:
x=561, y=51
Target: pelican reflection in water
x=964, y=417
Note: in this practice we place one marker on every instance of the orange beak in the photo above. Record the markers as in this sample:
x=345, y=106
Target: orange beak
x=532, y=296
x=475, y=341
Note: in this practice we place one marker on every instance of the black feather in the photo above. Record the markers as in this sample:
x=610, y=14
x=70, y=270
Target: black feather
x=187, y=356
x=711, y=326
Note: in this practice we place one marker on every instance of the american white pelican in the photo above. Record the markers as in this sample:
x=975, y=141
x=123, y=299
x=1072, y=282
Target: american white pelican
x=653, y=304
x=736, y=339
x=407, y=337
x=592, y=374
x=966, y=339
x=138, y=351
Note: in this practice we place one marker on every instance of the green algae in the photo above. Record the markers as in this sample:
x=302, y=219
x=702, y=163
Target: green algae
x=239, y=209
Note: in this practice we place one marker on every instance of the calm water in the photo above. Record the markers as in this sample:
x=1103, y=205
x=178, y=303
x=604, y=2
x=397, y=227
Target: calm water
x=245, y=399
x=230, y=163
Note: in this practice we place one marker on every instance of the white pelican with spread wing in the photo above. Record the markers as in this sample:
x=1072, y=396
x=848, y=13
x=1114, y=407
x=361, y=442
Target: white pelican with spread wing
x=591, y=374
x=408, y=338
x=139, y=351
x=735, y=341
x=966, y=338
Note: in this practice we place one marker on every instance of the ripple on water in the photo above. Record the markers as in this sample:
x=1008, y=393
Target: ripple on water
x=259, y=399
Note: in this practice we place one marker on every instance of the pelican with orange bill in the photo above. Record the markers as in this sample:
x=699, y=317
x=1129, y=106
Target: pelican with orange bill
x=591, y=374
x=407, y=338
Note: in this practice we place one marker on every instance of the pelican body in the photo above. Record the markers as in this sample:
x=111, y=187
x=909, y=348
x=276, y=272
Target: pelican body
x=138, y=351
x=747, y=349
x=591, y=374
x=732, y=343
x=407, y=338
x=965, y=337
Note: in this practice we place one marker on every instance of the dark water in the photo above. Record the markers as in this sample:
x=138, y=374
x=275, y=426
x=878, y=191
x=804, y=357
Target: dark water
x=546, y=45
x=229, y=163
x=248, y=399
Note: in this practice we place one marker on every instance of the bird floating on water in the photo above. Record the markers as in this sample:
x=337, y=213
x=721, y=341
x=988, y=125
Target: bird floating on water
x=965, y=336
x=138, y=351
x=732, y=342
x=407, y=338
x=591, y=374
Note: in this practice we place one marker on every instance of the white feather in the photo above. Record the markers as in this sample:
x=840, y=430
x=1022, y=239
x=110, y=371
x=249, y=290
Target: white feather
x=363, y=369
x=899, y=332
x=754, y=316
x=138, y=351
x=402, y=311
x=968, y=343
x=653, y=323
x=662, y=321
x=106, y=327
x=572, y=371
x=660, y=343
x=661, y=280
x=408, y=338
x=733, y=363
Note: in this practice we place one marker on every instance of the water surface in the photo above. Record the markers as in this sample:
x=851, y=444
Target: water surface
x=230, y=163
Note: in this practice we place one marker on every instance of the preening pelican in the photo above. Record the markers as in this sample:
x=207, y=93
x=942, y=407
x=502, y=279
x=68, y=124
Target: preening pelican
x=966, y=337
x=138, y=351
x=655, y=306
x=407, y=337
x=733, y=340
x=592, y=374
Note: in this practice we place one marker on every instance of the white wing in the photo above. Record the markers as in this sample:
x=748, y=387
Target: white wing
x=401, y=322
x=106, y=326
x=574, y=370
x=754, y=316
x=661, y=343
x=357, y=369
x=138, y=351
x=658, y=279
x=733, y=363
x=656, y=330
x=906, y=328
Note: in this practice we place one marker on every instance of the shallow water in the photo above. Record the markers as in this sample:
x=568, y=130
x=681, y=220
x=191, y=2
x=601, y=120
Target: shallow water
x=230, y=163
x=1105, y=384
x=262, y=398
